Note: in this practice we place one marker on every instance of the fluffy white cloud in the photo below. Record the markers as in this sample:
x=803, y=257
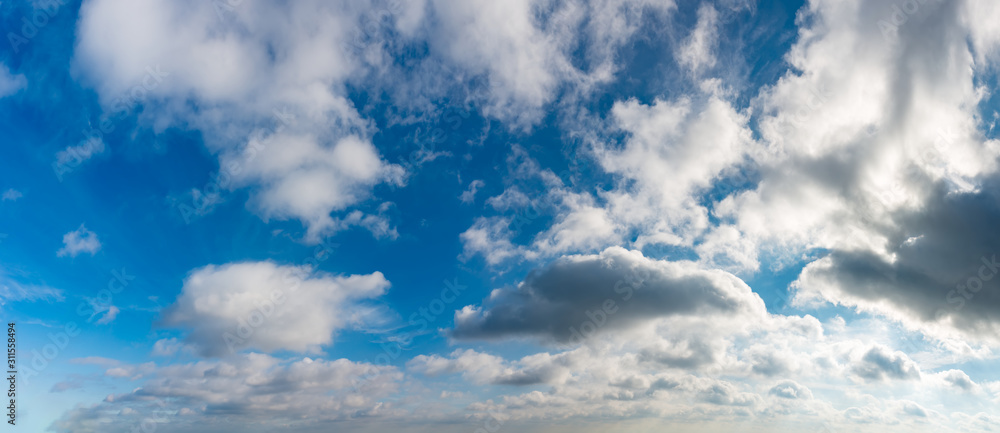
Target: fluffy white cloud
x=673, y=153
x=225, y=71
x=525, y=47
x=269, y=307
x=79, y=241
x=240, y=66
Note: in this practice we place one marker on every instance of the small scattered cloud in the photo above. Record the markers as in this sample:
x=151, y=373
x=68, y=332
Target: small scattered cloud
x=109, y=316
x=791, y=390
x=469, y=195
x=79, y=241
x=72, y=157
x=66, y=386
x=95, y=360
x=10, y=83
x=11, y=195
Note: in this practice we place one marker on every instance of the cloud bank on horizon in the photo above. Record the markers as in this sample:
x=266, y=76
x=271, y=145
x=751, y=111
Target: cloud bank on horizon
x=534, y=215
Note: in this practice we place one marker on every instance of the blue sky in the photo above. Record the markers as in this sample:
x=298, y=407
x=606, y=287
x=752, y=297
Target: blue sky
x=534, y=215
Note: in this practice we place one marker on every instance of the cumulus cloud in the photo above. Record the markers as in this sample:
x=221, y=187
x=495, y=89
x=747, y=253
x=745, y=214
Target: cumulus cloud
x=579, y=295
x=883, y=165
x=269, y=307
x=490, y=238
x=958, y=379
x=524, y=47
x=79, y=241
x=672, y=153
x=879, y=364
x=261, y=58
x=940, y=274
x=881, y=170
x=313, y=158
x=791, y=390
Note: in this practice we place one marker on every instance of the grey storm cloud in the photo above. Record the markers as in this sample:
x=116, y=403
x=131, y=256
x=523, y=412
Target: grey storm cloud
x=575, y=296
x=944, y=267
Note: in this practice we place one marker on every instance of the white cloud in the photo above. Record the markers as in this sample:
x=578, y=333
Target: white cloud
x=672, y=154
x=489, y=237
x=72, y=157
x=469, y=195
x=109, y=316
x=12, y=195
x=170, y=347
x=79, y=241
x=483, y=368
x=882, y=164
x=265, y=306
x=315, y=159
x=524, y=47
x=11, y=290
x=696, y=51
x=10, y=83
x=300, y=59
